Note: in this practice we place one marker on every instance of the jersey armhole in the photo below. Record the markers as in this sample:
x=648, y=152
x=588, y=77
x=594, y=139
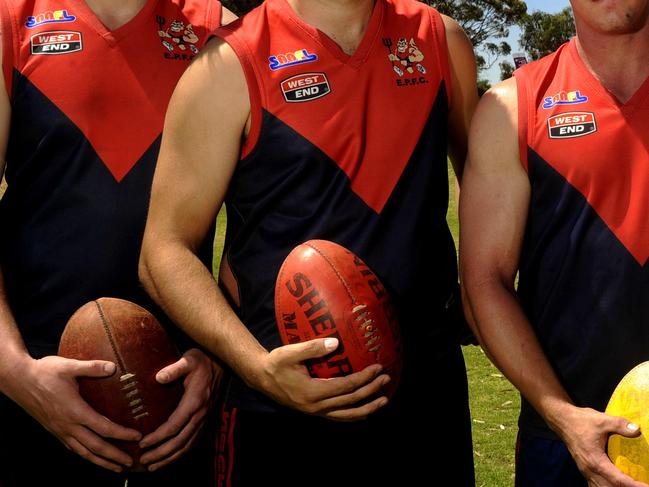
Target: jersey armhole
x=439, y=32
x=214, y=13
x=10, y=43
x=524, y=117
x=255, y=92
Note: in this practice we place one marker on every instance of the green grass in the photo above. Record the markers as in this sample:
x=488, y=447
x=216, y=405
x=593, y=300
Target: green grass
x=494, y=401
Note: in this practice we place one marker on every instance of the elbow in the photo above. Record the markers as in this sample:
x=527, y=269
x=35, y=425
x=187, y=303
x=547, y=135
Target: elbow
x=145, y=272
x=468, y=313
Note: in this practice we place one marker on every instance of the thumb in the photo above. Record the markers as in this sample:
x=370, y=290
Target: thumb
x=299, y=352
x=174, y=371
x=624, y=427
x=91, y=368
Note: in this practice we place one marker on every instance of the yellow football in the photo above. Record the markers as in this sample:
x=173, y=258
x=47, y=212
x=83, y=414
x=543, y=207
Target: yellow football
x=630, y=399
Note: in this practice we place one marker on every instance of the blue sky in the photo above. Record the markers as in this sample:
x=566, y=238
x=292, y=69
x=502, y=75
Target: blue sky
x=551, y=6
x=547, y=5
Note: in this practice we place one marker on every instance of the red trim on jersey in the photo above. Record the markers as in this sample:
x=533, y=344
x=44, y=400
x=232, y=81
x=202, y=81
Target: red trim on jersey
x=524, y=117
x=255, y=94
x=596, y=143
x=9, y=41
x=213, y=16
x=439, y=30
x=119, y=119
x=233, y=422
x=358, y=98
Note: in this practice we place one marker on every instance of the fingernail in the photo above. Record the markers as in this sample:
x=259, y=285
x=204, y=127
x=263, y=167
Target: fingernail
x=383, y=402
x=386, y=379
x=331, y=344
x=109, y=368
x=632, y=427
x=152, y=468
x=163, y=376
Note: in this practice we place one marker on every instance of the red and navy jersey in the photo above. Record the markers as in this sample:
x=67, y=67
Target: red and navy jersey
x=583, y=276
x=88, y=106
x=345, y=148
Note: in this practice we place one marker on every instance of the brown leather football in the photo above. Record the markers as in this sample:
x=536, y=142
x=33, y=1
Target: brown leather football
x=131, y=337
x=324, y=290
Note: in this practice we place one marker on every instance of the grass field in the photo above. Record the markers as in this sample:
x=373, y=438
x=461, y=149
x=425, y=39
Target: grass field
x=494, y=402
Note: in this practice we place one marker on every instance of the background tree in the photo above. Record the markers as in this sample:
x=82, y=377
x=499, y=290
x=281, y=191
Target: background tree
x=543, y=33
x=486, y=23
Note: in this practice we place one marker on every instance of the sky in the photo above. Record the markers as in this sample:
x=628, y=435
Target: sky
x=550, y=6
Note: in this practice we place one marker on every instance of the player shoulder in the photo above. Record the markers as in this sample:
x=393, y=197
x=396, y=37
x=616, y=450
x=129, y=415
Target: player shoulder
x=500, y=102
x=213, y=85
x=459, y=44
x=494, y=127
x=216, y=65
x=455, y=35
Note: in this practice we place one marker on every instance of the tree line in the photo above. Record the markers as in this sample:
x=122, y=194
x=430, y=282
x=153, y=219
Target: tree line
x=487, y=24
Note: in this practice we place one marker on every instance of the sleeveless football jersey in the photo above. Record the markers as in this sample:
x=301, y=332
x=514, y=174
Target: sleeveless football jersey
x=88, y=106
x=350, y=149
x=583, y=276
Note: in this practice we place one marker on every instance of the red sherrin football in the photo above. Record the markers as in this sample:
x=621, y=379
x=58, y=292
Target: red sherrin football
x=131, y=337
x=324, y=290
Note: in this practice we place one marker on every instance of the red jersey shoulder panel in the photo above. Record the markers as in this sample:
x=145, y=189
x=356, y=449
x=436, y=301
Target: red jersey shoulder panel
x=596, y=143
x=73, y=59
x=531, y=82
x=344, y=104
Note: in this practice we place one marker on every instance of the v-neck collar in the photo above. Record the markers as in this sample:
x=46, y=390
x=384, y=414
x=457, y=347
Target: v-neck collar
x=638, y=97
x=364, y=47
x=114, y=36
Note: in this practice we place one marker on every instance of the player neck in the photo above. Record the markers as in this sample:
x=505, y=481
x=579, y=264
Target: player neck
x=619, y=62
x=344, y=21
x=115, y=13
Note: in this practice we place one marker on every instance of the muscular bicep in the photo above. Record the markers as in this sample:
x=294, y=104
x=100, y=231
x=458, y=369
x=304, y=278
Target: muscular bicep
x=495, y=193
x=464, y=91
x=200, y=147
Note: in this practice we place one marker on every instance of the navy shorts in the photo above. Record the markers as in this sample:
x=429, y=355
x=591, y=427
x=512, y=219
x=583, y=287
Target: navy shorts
x=542, y=462
x=30, y=456
x=290, y=449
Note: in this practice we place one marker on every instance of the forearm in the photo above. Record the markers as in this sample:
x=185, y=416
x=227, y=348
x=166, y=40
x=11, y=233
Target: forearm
x=186, y=290
x=508, y=338
x=13, y=353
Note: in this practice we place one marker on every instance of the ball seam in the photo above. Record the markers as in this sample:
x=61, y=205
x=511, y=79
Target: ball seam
x=338, y=274
x=106, y=324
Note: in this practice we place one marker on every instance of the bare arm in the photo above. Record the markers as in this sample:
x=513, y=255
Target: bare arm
x=464, y=92
x=493, y=212
x=207, y=118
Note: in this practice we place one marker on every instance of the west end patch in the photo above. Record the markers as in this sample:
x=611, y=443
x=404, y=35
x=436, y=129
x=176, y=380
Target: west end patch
x=56, y=42
x=305, y=87
x=572, y=124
